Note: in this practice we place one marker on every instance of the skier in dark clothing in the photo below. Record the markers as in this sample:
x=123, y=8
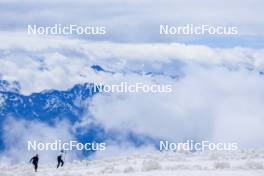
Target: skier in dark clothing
x=59, y=158
x=34, y=160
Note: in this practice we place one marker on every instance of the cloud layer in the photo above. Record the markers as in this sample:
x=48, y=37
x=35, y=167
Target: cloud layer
x=207, y=104
x=41, y=63
x=217, y=93
x=17, y=133
x=139, y=21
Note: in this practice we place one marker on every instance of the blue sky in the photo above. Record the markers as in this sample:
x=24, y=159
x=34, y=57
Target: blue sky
x=137, y=22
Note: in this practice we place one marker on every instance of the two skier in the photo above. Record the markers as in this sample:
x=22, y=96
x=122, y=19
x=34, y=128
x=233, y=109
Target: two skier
x=34, y=160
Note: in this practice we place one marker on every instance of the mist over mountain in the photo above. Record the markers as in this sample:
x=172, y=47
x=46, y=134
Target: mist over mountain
x=51, y=106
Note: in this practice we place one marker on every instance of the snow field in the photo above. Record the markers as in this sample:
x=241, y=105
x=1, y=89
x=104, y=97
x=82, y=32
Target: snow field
x=240, y=163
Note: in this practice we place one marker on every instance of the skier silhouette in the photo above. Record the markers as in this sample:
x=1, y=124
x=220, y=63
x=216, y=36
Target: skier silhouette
x=59, y=158
x=34, y=160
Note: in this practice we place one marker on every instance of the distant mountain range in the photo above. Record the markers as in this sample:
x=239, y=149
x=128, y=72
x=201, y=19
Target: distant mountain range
x=46, y=104
x=50, y=105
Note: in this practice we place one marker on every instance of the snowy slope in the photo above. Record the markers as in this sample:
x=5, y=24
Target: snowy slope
x=6, y=86
x=242, y=163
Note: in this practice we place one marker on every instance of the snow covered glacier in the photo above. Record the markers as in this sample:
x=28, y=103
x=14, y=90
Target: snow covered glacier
x=239, y=163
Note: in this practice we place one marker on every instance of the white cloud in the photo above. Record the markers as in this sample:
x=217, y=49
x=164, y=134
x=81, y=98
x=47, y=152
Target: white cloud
x=134, y=21
x=207, y=104
x=44, y=63
x=17, y=133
